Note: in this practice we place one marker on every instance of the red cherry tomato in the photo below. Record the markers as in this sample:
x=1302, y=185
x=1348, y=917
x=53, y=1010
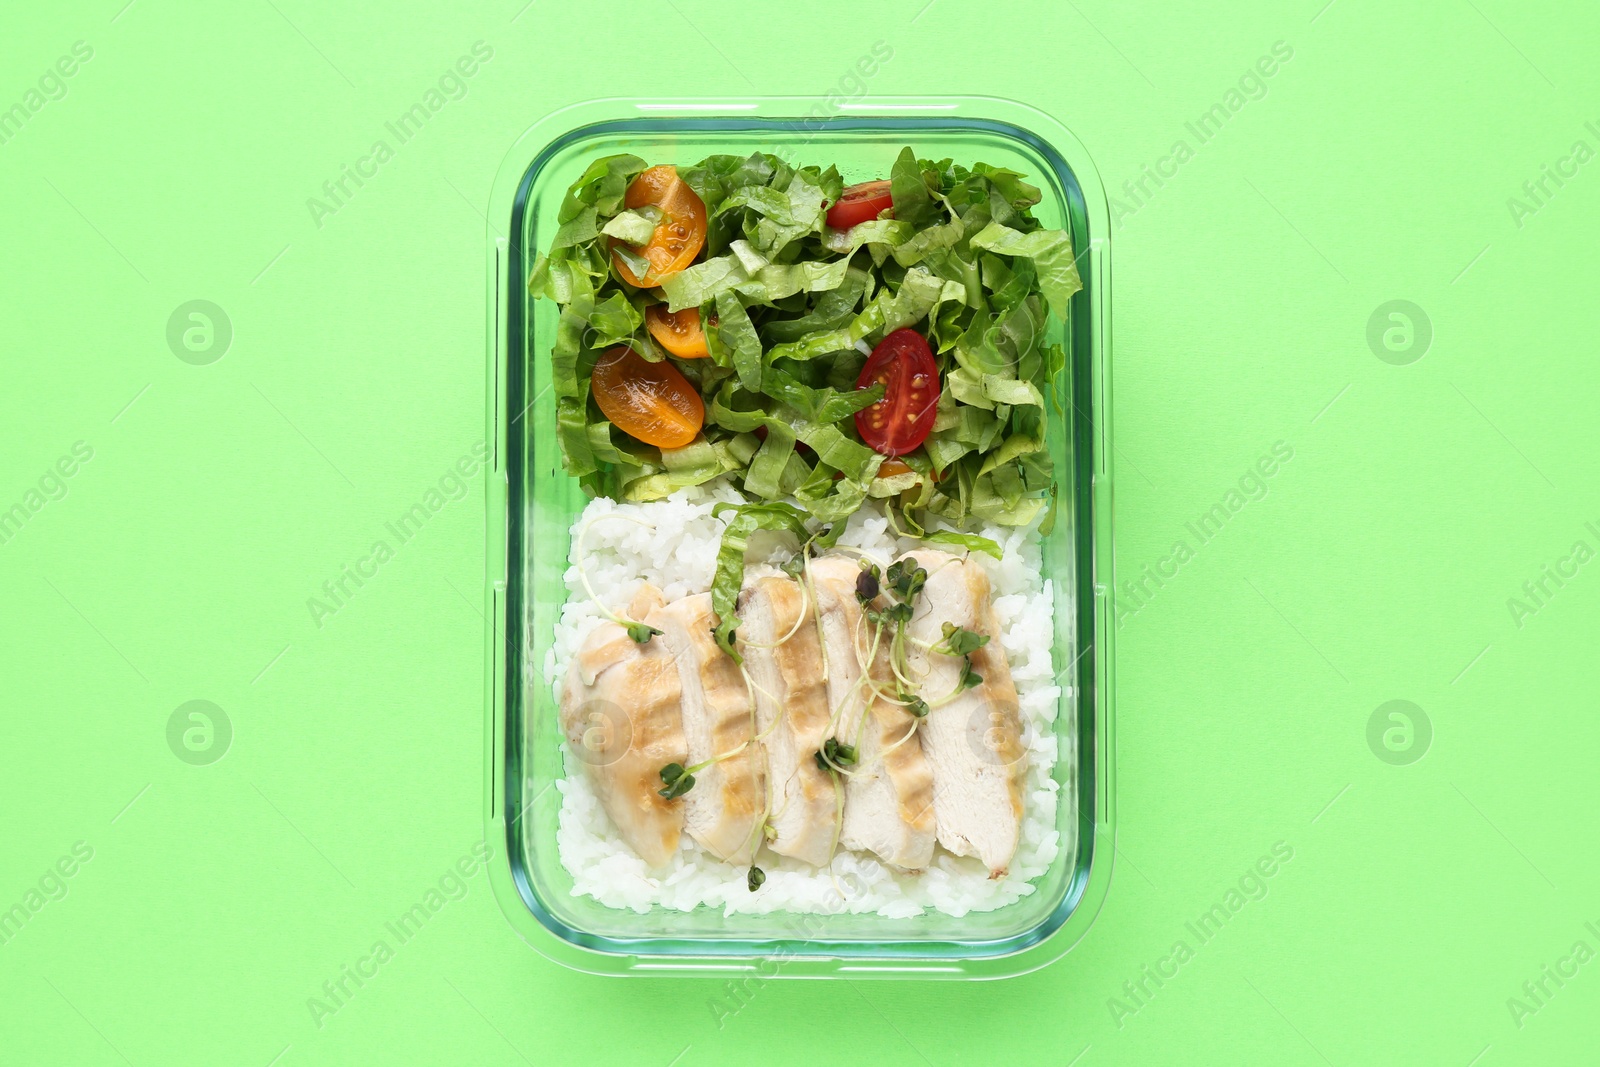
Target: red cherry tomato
x=860, y=203
x=903, y=364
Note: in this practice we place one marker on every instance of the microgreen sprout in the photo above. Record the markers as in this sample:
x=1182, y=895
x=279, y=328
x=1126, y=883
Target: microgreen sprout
x=906, y=579
x=959, y=641
x=867, y=587
x=833, y=755
x=678, y=781
x=640, y=632
x=969, y=677
x=895, y=615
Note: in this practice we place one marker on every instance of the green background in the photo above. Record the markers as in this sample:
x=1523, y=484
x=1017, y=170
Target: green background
x=1421, y=495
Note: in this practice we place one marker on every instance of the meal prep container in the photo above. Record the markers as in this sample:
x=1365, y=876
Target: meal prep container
x=532, y=504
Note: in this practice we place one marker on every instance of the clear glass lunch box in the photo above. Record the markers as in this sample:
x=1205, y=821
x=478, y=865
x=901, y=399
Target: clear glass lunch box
x=532, y=504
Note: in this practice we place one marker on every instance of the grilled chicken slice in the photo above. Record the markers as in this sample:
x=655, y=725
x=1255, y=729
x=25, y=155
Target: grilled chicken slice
x=619, y=712
x=725, y=806
x=888, y=807
x=791, y=701
x=973, y=741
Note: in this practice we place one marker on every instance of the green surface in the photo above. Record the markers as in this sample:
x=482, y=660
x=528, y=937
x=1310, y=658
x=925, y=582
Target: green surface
x=176, y=563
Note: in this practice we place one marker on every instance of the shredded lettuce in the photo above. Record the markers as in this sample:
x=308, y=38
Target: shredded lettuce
x=613, y=321
x=790, y=307
x=1051, y=252
x=729, y=579
x=971, y=542
x=885, y=233
x=909, y=185
x=736, y=333
x=635, y=227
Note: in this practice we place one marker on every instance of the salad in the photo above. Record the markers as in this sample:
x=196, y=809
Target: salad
x=821, y=344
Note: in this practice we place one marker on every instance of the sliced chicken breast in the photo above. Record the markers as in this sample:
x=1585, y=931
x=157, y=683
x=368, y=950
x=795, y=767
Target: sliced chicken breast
x=791, y=701
x=724, y=809
x=888, y=808
x=619, y=712
x=973, y=741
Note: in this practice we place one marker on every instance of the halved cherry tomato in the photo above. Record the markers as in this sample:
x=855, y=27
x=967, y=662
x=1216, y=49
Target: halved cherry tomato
x=901, y=421
x=679, y=235
x=860, y=203
x=652, y=402
x=678, y=331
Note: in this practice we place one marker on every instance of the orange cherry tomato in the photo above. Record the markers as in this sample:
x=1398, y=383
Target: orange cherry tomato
x=652, y=402
x=678, y=331
x=892, y=468
x=679, y=235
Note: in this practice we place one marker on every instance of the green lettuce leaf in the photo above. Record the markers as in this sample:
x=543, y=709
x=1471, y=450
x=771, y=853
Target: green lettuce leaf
x=602, y=186
x=632, y=260
x=814, y=345
x=887, y=233
x=971, y=542
x=933, y=239
x=834, y=309
x=729, y=578
x=764, y=479
x=748, y=257
x=736, y=332
x=1051, y=252
x=635, y=227
x=613, y=321
x=909, y=188
x=700, y=283
x=577, y=230
x=817, y=404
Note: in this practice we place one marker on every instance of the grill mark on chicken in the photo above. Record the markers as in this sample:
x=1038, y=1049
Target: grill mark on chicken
x=974, y=740
x=725, y=807
x=888, y=806
x=792, y=715
x=620, y=714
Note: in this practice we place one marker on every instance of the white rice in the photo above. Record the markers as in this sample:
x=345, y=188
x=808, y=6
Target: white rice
x=673, y=545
